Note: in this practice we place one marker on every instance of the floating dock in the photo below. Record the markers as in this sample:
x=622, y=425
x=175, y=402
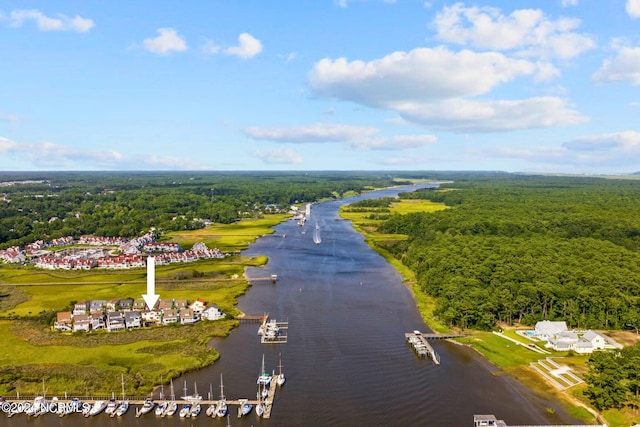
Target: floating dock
x=273, y=332
x=420, y=343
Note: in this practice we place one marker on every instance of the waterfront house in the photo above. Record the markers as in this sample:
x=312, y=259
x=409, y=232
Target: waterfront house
x=198, y=306
x=187, y=316
x=63, y=321
x=151, y=317
x=97, y=321
x=115, y=321
x=212, y=312
x=546, y=329
x=132, y=319
x=169, y=316
x=81, y=322
x=80, y=308
x=563, y=341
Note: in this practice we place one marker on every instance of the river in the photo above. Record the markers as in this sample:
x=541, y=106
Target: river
x=346, y=359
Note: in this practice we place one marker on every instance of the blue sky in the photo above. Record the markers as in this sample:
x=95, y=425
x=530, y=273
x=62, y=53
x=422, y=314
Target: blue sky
x=535, y=86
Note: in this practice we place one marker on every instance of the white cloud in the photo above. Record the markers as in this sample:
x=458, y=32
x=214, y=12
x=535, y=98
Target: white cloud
x=628, y=141
x=167, y=41
x=279, y=156
x=321, y=132
x=424, y=74
x=633, y=8
x=248, y=47
x=527, y=32
x=624, y=67
x=51, y=155
x=356, y=137
x=46, y=23
x=613, y=151
x=463, y=115
x=440, y=89
x=210, y=48
x=567, y=3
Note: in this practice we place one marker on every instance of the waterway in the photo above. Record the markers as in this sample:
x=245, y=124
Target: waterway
x=346, y=359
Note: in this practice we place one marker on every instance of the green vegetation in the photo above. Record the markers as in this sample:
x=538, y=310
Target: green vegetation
x=128, y=204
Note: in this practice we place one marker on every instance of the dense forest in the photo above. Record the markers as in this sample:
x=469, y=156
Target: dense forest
x=614, y=379
x=51, y=205
x=523, y=248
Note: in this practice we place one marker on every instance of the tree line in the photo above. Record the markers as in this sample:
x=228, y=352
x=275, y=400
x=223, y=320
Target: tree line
x=128, y=204
x=523, y=248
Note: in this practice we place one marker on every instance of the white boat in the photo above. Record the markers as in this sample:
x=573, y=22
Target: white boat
x=264, y=378
x=195, y=410
x=146, y=407
x=172, y=407
x=211, y=410
x=35, y=406
x=161, y=408
x=112, y=406
x=185, y=410
x=123, y=408
x=221, y=409
x=280, y=379
x=98, y=406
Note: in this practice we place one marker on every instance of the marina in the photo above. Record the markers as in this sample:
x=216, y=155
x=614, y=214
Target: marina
x=273, y=332
x=35, y=406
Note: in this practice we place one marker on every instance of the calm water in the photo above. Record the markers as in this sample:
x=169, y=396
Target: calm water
x=346, y=360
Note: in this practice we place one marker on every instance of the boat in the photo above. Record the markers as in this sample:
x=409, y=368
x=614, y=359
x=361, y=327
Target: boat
x=261, y=407
x=244, y=408
x=161, y=408
x=172, y=407
x=264, y=378
x=221, y=409
x=195, y=410
x=123, y=408
x=147, y=407
x=98, y=406
x=211, y=410
x=185, y=410
x=280, y=379
x=112, y=406
x=316, y=236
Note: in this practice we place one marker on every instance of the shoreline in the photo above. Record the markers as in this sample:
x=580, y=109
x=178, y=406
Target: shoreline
x=424, y=304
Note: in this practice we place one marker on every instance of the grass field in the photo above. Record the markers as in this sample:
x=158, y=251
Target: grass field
x=228, y=237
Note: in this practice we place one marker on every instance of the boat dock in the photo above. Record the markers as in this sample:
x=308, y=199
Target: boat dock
x=492, y=421
x=139, y=401
x=420, y=343
x=273, y=332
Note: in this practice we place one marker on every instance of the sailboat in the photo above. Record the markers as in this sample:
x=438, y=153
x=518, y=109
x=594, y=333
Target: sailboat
x=211, y=410
x=162, y=406
x=112, y=406
x=172, y=406
x=280, y=379
x=221, y=410
x=244, y=408
x=264, y=378
x=123, y=407
x=261, y=407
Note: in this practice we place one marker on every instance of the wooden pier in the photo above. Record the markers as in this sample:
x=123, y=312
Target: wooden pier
x=492, y=421
x=420, y=343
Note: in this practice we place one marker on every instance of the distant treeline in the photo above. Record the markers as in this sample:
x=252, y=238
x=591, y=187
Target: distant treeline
x=522, y=249
x=128, y=204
